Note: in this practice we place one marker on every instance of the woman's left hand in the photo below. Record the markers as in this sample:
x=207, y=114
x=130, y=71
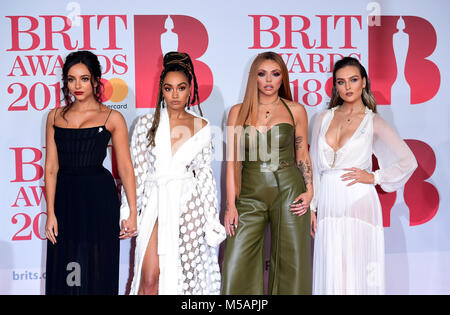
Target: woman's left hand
x=358, y=176
x=301, y=204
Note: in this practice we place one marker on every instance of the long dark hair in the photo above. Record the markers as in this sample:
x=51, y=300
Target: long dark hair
x=90, y=60
x=174, y=61
x=367, y=96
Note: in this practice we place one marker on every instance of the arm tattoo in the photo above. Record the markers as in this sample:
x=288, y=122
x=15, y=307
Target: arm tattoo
x=298, y=142
x=305, y=169
x=304, y=166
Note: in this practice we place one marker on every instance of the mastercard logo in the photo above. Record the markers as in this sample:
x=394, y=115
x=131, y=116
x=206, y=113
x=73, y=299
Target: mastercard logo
x=114, y=90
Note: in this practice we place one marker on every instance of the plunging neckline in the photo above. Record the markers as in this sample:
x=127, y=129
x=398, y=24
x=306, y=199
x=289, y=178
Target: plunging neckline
x=351, y=137
x=182, y=145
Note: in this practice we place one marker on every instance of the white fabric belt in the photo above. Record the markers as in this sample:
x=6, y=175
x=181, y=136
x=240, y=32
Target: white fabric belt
x=167, y=209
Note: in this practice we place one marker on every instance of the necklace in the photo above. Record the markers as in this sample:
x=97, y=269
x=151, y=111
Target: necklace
x=349, y=118
x=268, y=112
x=278, y=98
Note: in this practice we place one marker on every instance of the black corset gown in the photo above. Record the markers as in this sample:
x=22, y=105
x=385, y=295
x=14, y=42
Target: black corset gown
x=85, y=259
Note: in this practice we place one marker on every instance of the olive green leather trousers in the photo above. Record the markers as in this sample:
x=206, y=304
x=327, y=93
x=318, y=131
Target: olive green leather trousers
x=265, y=199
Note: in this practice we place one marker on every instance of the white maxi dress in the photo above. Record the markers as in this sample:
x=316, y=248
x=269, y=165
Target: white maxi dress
x=349, y=241
x=180, y=192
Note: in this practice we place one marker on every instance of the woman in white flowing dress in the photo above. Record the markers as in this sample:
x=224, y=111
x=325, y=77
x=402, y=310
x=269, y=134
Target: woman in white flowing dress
x=349, y=238
x=178, y=220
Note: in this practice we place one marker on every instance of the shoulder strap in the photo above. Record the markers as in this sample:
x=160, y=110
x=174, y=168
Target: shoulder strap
x=108, y=116
x=290, y=113
x=54, y=117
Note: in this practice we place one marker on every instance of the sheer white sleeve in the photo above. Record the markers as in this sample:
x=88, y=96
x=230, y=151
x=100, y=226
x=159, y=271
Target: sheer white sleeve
x=214, y=230
x=314, y=155
x=138, y=150
x=395, y=158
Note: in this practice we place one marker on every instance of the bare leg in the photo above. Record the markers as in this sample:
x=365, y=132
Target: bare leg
x=150, y=266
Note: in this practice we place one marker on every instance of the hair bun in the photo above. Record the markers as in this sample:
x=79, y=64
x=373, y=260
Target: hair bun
x=177, y=58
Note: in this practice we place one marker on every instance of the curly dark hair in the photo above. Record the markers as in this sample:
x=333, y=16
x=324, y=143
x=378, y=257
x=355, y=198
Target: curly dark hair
x=90, y=60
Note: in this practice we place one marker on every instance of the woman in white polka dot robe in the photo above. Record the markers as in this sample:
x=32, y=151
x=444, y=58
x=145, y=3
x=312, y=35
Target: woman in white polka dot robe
x=178, y=220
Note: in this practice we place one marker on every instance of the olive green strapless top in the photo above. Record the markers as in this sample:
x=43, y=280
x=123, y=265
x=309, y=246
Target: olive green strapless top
x=263, y=149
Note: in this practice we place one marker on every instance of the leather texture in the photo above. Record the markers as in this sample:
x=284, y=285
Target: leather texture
x=267, y=191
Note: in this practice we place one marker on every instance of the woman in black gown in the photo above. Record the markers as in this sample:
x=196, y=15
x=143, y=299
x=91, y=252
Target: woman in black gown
x=82, y=201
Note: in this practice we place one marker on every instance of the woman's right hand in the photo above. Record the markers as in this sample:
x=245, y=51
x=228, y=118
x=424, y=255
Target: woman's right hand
x=51, y=228
x=231, y=219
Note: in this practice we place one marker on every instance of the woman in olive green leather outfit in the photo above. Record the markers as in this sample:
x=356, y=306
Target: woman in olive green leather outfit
x=269, y=181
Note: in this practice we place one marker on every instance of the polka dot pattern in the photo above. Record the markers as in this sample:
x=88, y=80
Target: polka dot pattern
x=198, y=271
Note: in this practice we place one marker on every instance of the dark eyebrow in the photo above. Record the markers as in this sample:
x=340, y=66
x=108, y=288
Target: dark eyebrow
x=353, y=76
x=83, y=75
x=182, y=83
x=264, y=70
